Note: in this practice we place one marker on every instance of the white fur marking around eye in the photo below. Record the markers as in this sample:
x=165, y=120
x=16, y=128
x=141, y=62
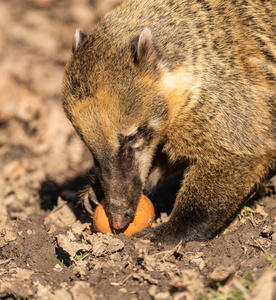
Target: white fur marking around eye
x=130, y=131
x=144, y=159
x=138, y=143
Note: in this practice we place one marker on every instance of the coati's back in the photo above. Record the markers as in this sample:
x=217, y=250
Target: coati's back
x=196, y=78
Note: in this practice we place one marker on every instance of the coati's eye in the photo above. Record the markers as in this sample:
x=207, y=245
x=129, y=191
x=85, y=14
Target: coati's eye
x=136, y=139
x=132, y=138
x=129, y=140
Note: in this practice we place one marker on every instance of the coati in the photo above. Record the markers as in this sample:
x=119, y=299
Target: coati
x=158, y=82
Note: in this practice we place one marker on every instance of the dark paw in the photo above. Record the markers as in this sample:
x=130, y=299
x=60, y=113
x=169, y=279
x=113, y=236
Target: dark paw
x=160, y=234
x=147, y=233
x=88, y=199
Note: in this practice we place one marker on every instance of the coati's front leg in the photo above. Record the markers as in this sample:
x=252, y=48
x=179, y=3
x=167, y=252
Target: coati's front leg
x=91, y=194
x=161, y=169
x=210, y=194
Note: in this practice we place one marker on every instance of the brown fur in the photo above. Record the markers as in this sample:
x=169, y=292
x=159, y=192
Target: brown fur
x=195, y=80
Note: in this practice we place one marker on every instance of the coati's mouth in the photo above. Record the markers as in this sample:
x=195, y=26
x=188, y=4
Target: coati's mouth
x=117, y=222
x=120, y=221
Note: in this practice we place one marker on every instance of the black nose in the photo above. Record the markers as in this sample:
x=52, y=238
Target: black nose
x=120, y=219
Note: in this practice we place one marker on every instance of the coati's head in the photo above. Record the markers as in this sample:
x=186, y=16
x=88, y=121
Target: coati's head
x=112, y=97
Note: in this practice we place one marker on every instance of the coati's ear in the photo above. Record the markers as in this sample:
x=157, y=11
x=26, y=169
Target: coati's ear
x=79, y=39
x=144, y=49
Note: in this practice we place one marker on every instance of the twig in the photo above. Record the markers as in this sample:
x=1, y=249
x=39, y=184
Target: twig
x=169, y=253
x=122, y=281
x=252, y=221
x=258, y=246
x=4, y=261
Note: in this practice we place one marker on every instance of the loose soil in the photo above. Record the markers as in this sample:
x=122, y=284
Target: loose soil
x=47, y=246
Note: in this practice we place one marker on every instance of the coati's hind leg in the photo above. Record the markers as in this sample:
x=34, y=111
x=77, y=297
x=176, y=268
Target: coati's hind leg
x=210, y=194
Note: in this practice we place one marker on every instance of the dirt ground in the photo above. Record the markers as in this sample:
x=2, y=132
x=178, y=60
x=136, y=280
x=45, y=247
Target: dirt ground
x=47, y=250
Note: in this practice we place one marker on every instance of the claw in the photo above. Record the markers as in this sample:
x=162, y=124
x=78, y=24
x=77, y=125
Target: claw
x=88, y=199
x=86, y=205
x=163, y=233
x=93, y=199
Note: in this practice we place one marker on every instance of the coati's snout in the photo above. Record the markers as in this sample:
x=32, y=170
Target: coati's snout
x=122, y=186
x=122, y=192
x=122, y=164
